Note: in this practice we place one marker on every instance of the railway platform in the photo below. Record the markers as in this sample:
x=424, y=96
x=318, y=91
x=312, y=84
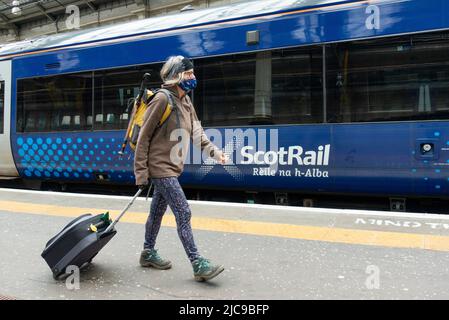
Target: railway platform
x=269, y=252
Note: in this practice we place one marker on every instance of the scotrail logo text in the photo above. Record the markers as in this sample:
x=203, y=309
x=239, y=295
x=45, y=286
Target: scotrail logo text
x=293, y=155
x=258, y=148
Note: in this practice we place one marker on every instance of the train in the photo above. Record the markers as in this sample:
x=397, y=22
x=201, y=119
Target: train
x=309, y=98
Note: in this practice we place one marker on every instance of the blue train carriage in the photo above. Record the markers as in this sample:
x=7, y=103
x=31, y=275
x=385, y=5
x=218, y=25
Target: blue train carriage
x=308, y=97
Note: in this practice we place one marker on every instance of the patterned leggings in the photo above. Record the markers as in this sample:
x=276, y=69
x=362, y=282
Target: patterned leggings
x=168, y=191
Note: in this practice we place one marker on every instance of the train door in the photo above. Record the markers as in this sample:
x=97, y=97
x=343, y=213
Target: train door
x=7, y=166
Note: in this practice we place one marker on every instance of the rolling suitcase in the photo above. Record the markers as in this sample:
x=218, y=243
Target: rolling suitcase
x=80, y=241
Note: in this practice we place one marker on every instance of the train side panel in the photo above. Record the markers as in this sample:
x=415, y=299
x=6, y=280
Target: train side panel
x=376, y=159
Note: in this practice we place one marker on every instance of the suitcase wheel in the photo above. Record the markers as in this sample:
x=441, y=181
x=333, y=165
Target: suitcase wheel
x=56, y=274
x=59, y=275
x=85, y=265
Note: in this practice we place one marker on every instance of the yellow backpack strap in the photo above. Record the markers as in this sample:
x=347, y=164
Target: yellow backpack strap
x=168, y=109
x=166, y=114
x=147, y=95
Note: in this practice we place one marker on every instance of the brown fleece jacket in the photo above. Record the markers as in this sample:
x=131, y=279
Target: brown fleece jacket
x=159, y=154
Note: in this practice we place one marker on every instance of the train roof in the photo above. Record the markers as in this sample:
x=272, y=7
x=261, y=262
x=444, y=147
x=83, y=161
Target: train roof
x=161, y=24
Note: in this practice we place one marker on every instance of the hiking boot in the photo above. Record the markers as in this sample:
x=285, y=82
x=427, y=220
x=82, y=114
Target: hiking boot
x=150, y=258
x=203, y=270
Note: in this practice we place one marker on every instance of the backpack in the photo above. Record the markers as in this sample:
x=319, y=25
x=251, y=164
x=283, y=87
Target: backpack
x=140, y=106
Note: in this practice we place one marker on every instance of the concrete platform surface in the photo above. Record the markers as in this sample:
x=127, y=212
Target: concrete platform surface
x=268, y=252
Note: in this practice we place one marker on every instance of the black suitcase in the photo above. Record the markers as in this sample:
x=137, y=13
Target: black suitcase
x=80, y=241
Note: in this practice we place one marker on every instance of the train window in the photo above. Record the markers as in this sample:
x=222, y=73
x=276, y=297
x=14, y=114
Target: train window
x=59, y=103
x=225, y=92
x=271, y=87
x=297, y=90
x=394, y=79
x=2, y=104
x=113, y=91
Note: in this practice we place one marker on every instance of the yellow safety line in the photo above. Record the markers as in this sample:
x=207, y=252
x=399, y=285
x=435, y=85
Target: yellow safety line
x=334, y=235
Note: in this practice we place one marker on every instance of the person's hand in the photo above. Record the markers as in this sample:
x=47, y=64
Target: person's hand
x=143, y=186
x=224, y=158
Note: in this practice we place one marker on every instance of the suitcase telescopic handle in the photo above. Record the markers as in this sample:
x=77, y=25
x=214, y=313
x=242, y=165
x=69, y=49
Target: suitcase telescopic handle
x=111, y=226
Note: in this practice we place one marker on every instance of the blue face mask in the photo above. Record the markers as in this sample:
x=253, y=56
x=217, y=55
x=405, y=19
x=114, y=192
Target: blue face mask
x=188, y=85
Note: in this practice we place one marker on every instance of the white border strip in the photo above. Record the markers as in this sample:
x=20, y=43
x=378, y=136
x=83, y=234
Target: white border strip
x=299, y=210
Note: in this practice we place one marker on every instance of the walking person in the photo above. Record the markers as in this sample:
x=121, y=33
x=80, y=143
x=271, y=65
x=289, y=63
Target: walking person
x=157, y=158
